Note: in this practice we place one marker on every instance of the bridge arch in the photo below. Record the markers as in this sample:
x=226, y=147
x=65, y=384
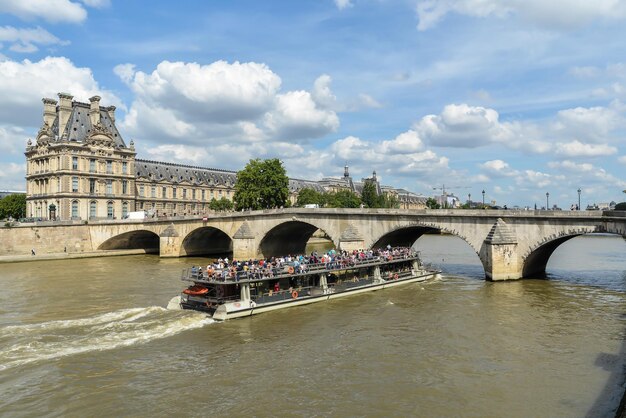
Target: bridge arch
x=288, y=237
x=538, y=255
x=206, y=240
x=403, y=236
x=133, y=240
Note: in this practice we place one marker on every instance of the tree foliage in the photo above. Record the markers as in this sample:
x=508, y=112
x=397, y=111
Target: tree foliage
x=220, y=205
x=343, y=199
x=369, y=195
x=13, y=206
x=432, y=203
x=308, y=196
x=262, y=184
x=620, y=206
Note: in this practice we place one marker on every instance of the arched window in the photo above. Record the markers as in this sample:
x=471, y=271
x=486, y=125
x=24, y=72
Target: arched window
x=75, y=209
x=110, y=212
x=92, y=209
x=124, y=210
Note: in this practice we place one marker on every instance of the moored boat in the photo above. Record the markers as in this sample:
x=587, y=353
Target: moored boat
x=233, y=290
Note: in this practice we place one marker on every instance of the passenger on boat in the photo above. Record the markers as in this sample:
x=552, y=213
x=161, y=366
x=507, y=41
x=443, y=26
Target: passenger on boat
x=276, y=287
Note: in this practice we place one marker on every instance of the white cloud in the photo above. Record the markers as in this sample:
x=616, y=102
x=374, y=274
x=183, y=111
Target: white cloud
x=98, y=4
x=12, y=176
x=296, y=116
x=125, y=72
x=622, y=159
x=572, y=167
x=23, y=85
x=322, y=94
x=12, y=140
x=26, y=40
x=405, y=143
x=50, y=10
x=498, y=168
x=343, y=4
x=592, y=124
x=463, y=126
x=534, y=178
x=217, y=102
x=579, y=149
x=552, y=14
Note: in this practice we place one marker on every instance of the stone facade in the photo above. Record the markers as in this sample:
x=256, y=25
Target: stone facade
x=80, y=168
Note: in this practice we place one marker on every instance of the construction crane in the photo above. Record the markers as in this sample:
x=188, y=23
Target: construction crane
x=445, y=194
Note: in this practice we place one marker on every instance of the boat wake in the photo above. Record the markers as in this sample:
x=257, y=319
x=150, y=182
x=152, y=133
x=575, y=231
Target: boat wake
x=25, y=344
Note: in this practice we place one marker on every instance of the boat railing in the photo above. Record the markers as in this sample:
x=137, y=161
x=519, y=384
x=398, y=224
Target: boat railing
x=289, y=269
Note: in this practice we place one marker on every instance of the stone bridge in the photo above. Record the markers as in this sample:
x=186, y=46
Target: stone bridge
x=510, y=244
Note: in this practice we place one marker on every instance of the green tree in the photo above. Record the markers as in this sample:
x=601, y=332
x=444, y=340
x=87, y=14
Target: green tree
x=220, y=205
x=388, y=201
x=369, y=195
x=261, y=185
x=13, y=206
x=432, y=203
x=343, y=199
x=308, y=196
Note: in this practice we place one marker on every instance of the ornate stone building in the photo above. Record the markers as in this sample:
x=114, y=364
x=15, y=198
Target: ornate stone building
x=80, y=168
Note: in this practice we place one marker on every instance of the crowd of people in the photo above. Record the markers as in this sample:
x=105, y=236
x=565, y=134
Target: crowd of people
x=224, y=269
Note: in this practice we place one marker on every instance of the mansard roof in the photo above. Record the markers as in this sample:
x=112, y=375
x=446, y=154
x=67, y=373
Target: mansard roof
x=79, y=126
x=180, y=173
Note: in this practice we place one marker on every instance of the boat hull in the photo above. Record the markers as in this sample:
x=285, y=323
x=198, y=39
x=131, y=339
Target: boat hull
x=241, y=309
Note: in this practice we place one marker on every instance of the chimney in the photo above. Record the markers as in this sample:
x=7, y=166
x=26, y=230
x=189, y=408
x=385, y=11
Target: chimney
x=49, y=111
x=65, y=110
x=94, y=111
x=111, y=110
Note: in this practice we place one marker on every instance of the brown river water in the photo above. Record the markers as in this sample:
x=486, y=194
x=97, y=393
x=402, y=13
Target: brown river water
x=92, y=337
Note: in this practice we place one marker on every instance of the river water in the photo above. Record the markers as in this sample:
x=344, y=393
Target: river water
x=91, y=337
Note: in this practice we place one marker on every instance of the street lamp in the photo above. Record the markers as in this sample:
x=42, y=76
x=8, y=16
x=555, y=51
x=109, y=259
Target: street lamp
x=579, y=208
x=469, y=200
x=547, y=201
x=483, y=198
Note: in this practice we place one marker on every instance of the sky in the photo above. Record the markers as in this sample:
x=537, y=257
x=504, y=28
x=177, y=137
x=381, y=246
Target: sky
x=518, y=98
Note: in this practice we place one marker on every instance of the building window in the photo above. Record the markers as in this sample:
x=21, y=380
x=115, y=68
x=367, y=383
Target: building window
x=219, y=193
x=92, y=209
x=124, y=186
x=203, y=194
x=184, y=193
x=124, y=210
x=174, y=192
x=74, y=163
x=75, y=209
x=124, y=167
x=164, y=192
x=92, y=186
x=193, y=194
x=110, y=212
x=92, y=166
x=75, y=184
x=153, y=191
x=211, y=194
x=141, y=190
x=109, y=167
x=109, y=186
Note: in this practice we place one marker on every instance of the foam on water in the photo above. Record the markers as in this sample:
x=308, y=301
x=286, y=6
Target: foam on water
x=24, y=344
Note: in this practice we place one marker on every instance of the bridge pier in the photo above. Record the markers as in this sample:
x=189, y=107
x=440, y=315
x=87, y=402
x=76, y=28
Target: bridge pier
x=500, y=255
x=170, y=242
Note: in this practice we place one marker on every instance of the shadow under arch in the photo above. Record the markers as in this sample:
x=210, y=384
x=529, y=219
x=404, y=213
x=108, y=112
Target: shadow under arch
x=133, y=240
x=287, y=238
x=206, y=240
x=403, y=236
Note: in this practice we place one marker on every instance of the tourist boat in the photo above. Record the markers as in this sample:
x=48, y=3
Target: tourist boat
x=232, y=293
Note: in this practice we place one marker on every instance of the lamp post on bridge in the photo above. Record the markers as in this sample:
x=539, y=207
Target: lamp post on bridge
x=469, y=200
x=483, y=198
x=579, y=208
x=547, y=201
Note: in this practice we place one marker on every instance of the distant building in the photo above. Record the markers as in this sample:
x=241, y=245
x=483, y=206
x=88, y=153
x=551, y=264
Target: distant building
x=80, y=165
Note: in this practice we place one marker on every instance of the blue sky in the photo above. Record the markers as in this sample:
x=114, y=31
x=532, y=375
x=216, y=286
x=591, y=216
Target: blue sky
x=518, y=98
